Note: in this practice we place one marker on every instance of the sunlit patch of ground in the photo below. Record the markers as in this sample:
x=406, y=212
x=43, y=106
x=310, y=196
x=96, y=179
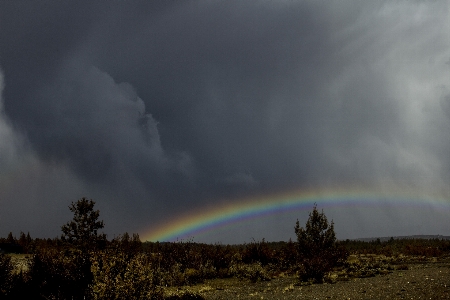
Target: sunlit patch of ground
x=20, y=262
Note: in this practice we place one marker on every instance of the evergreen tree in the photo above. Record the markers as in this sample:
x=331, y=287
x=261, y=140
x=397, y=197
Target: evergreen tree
x=10, y=239
x=29, y=239
x=22, y=239
x=82, y=231
x=316, y=246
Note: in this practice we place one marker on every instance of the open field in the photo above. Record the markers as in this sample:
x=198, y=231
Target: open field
x=422, y=280
x=363, y=276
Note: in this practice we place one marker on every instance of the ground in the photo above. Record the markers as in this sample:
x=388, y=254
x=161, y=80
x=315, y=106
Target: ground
x=429, y=280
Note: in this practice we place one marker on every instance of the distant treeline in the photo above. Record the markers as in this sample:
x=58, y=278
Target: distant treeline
x=263, y=251
x=434, y=247
x=407, y=237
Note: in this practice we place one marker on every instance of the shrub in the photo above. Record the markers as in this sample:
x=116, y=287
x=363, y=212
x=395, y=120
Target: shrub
x=221, y=257
x=258, y=252
x=316, y=246
x=253, y=272
x=13, y=282
x=55, y=274
x=6, y=275
x=186, y=263
x=117, y=276
x=288, y=256
x=367, y=268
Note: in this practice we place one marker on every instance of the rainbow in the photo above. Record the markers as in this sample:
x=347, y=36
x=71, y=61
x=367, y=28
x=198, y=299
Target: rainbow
x=226, y=214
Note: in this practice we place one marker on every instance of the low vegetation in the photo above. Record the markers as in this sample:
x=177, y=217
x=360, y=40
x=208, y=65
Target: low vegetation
x=83, y=264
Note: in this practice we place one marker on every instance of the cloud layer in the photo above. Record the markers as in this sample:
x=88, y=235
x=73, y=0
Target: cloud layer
x=156, y=108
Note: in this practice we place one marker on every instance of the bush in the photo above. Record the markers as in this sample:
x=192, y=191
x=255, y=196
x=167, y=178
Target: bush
x=6, y=275
x=187, y=263
x=258, y=252
x=288, y=257
x=316, y=246
x=107, y=274
x=253, y=272
x=117, y=276
x=55, y=274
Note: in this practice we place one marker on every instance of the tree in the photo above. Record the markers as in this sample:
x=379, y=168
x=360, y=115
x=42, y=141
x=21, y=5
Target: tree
x=316, y=246
x=82, y=231
x=22, y=239
x=10, y=239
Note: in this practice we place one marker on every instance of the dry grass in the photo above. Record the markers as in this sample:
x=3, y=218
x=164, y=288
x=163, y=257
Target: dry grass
x=20, y=262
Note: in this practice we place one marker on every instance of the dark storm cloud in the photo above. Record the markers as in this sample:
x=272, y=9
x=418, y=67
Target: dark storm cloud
x=224, y=81
x=164, y=106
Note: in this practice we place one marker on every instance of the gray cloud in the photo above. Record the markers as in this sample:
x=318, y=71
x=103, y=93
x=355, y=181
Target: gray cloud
x=29, y=190
x=161, y=107
x=9, y=141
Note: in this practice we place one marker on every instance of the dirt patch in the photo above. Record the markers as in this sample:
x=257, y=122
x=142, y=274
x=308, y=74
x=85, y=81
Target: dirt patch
x=420, y=281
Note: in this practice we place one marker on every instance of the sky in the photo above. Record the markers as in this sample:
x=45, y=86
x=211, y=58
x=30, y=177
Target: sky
x=158, y=109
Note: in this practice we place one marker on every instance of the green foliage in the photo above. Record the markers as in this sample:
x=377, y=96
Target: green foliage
x=82, y=231
x=317, y=236
x=316, y=246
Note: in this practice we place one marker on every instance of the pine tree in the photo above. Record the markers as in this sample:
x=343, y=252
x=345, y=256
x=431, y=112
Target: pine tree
x=82, y=231
x=29, y=239
x=10, y=239
x=22, y=239
x=316, y=246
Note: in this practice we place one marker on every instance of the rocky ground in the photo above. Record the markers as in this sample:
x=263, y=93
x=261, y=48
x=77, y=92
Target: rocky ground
x=420, y=281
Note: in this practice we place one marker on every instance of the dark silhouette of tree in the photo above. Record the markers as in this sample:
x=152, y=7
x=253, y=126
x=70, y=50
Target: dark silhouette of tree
x=316, y=246
x=22, y=239
x=10, y=239
x=82, y=231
